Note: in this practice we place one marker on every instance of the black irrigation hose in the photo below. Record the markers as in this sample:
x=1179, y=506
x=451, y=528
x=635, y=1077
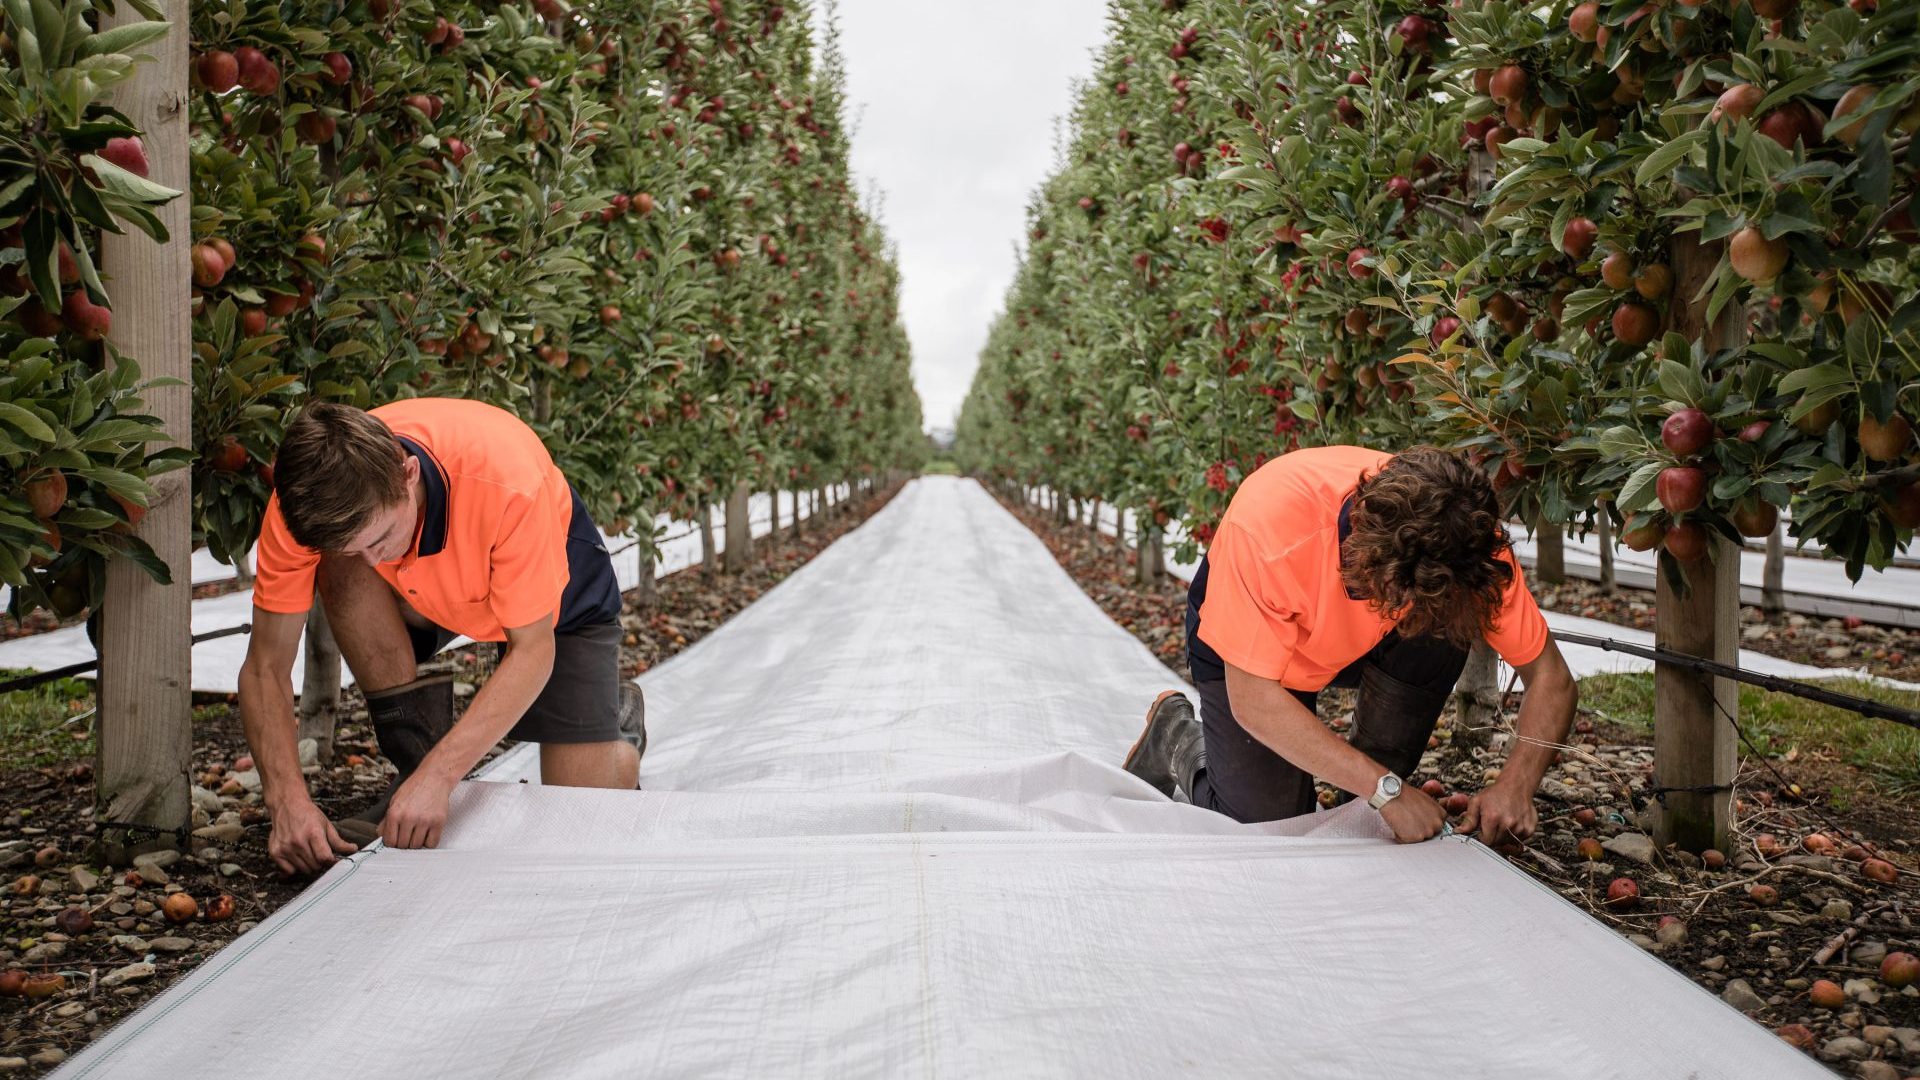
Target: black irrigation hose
x=28, y=682
x=1879, y=710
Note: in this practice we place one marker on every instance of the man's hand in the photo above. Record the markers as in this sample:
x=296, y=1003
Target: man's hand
x=1413, y=815
x=418, y=812
x=1501, y=811
x=303, y=841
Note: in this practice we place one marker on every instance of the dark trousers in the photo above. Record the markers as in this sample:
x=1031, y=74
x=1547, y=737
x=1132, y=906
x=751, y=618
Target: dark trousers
x=1248, y=782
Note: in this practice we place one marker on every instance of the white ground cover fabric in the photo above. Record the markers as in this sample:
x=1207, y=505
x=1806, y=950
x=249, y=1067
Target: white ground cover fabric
x=216, y=663
x=885, y=835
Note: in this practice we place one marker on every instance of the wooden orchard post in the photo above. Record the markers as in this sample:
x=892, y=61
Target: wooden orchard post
x=739, y=553
x=146, y=703
x=1693, y=743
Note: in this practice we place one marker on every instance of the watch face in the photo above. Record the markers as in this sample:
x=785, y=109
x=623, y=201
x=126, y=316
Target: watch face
x=1390, y=785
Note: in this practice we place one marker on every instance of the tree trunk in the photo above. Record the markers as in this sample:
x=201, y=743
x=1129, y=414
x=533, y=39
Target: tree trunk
x=739, y=554
x=799, y=510
x=145, y=721
x=1550, y=553
x=1476, y=698
x=1605, y=535
x=243, y=569
x=774, y=497
x=1093, y=519
x=706, y=539
x=1148, y=561
x=320, y=683
x=646, y=589
x=1773, y=579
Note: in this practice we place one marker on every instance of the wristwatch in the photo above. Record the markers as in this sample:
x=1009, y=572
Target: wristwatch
x=1385, y=791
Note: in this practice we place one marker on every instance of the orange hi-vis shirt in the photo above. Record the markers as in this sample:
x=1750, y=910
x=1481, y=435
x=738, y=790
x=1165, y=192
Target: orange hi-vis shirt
x=1275, y=604
x=496, y=557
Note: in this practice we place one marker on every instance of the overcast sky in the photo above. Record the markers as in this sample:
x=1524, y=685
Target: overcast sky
x=955, y=104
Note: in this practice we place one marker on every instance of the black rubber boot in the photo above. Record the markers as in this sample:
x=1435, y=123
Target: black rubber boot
x=1392, y=720
x=409, y=720
x=1171, y=746
x=633, y=718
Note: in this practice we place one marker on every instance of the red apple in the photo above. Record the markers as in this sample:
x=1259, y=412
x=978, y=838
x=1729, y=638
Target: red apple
x=1879, y=870
x=339, y=68
x=1826, y=994
x=128, y=153
x=1359, y=271
x=1635, y=324
x=47, y=494
x=84, y=317
x=1900, y=969
x=1578, y=238
x=1736, y=103
x=209, y=269
x=1687, y=541
x=1757, y=518
x=219, y=71
x=1687, y=432
x=1623, y=892
x=1589, y=849
x=1508, y=85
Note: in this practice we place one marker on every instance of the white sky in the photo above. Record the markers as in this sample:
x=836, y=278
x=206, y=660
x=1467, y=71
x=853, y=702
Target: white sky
x=954, y=104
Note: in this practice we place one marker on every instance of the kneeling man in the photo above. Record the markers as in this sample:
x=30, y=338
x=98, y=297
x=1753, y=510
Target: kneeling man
x=418, y=522
x=1343, y=566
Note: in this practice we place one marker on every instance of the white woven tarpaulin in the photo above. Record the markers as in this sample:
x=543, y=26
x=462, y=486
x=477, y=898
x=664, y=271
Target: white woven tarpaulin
x=884, y=835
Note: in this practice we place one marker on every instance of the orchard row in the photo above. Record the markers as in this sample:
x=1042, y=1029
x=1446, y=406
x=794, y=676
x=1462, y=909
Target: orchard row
x=631, y=222
x=1646, y=260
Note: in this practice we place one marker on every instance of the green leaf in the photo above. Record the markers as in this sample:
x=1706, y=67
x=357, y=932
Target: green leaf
x=118, y=181
x=33, y=427
x=121, y=39
x=1670, y=154
x=1639, y=492
x=1814, y=378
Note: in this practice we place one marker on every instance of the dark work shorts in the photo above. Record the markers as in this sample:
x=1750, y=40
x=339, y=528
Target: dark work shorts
x=581, y=701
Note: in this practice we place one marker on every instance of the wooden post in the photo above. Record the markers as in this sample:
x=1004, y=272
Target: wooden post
x=706, y=539
x=145, y=700
x=320, y=683
x=1604, y=533
x=1773, y=577
x=1550, y=553
x=739, y=554
x=1693, y=743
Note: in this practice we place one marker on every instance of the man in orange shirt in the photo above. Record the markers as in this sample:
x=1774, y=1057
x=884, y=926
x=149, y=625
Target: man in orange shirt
x=418, y=522
x=1343, y=566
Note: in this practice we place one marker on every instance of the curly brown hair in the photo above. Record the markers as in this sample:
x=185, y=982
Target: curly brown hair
x=1424, y=545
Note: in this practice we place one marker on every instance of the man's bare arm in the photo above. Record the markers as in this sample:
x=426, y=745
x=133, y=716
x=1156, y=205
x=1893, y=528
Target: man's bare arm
x=302, y=841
